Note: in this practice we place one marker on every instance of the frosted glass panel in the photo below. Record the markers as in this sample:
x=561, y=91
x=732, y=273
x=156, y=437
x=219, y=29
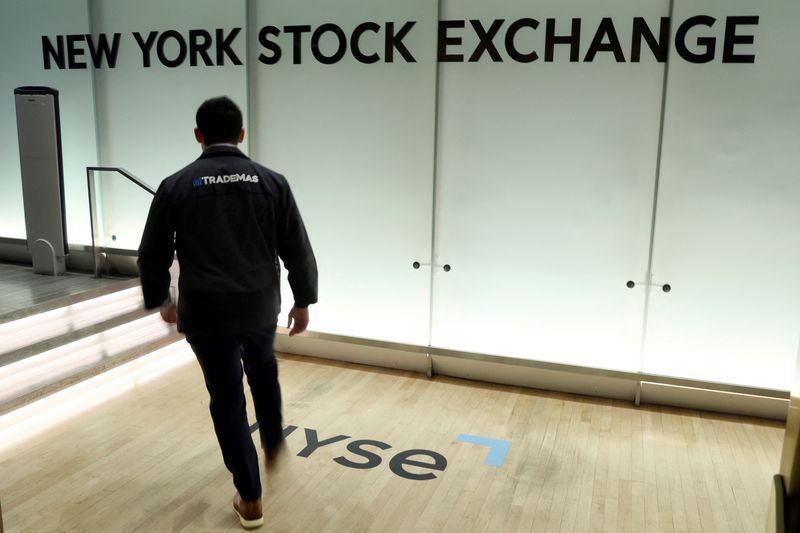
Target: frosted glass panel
x=22, y=25
x=113, y=210
x=727, y=237
x=146, y=115
x=356, y=142
x=546, y=177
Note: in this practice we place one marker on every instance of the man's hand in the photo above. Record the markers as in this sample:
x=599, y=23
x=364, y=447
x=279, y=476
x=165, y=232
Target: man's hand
x=300, y=318
x=169, y=313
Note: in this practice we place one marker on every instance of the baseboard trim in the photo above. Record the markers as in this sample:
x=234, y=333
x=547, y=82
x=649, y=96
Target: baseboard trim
x=342, y=350
x=627, y=386
x=714, y=400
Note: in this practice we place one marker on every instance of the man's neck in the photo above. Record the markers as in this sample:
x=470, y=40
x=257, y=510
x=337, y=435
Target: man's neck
x=233, y=145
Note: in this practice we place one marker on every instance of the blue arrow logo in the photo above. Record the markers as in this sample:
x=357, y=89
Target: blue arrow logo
x=498, y=449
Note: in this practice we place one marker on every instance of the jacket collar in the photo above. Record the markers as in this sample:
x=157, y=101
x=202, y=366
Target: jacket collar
x=217, y=150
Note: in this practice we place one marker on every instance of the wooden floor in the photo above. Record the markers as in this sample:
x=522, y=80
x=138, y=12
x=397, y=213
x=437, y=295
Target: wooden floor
x=148, y=461
x=21, y=288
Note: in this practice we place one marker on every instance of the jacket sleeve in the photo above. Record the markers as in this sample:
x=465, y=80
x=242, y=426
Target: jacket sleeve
x=295, y=250
x=156, y=251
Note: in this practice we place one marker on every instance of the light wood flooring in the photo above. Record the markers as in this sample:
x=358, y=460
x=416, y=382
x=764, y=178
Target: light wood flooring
x=148, y=461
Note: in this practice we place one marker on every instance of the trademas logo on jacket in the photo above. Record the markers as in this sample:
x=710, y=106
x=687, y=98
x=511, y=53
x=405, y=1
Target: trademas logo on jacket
x=227, y=178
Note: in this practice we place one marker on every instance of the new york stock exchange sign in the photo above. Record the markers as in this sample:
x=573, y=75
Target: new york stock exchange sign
x=697, y=39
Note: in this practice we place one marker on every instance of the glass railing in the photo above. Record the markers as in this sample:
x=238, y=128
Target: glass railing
x=118, y=212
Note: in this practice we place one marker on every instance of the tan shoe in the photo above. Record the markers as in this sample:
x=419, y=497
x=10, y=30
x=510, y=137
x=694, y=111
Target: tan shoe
x=248, y=511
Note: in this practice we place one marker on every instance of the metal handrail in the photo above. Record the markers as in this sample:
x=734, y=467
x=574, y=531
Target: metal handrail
x=90, y=184
x=125, y=173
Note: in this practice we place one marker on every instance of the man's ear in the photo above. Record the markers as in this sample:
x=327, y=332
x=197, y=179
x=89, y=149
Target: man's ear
x=241, y=135
x=198, y=136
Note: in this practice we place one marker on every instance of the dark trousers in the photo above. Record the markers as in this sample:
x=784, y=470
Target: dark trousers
x=221, y=358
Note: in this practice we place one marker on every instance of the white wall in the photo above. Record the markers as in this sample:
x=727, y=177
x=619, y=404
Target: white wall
x=22, y=25
x=356, y=142
x=546, y=173
x=145, y=115
x=727, y=236
x=541, y=175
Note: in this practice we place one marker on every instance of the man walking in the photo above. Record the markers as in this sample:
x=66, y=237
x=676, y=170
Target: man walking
x=229, y=219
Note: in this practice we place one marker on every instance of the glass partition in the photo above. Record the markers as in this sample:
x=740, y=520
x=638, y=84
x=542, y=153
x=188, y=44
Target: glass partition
x=22, y=26
x=475, y=176
x=355, y=139
x=115, y=223
x=146, y=104
x=546, y=178
x=727, y=237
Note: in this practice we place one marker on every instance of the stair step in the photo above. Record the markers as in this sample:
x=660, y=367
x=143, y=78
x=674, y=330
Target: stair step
x=66, y=301
x=88, y=372
x=32, y=418
x=97, y=350
x=71, y=322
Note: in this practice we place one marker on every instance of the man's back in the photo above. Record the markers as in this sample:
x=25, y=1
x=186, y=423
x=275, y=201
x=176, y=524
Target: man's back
x=232, y=218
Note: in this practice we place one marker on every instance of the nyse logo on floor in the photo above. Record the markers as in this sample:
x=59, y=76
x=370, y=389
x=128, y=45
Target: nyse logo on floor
x=363, y=453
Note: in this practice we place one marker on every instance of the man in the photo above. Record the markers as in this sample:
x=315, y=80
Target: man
x=229, y=219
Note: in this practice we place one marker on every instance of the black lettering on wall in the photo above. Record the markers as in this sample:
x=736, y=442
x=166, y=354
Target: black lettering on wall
x=102, y=50
x=263, y=39
x=486, y=40
x=356, y=447
x=402, y=459
x=162, y=54
x=693, y=42
x=224, y=46
x=709, y=43
x=444, y=41
x=659, y=47
x=394, y=41
x=49, y=53
x=199, y=43
x=732, y=39
x=511, y=47
x=573, y=40
x=297, y=41
x=355, y=42
x=145, y=45
x=73, y=51
x=341, y=45
x=605, y=29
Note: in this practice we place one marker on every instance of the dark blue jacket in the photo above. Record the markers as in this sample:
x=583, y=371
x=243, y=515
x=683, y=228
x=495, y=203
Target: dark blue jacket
x=229, y=219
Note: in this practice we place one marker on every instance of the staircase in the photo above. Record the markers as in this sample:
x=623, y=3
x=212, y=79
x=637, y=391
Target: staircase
x=53, y=346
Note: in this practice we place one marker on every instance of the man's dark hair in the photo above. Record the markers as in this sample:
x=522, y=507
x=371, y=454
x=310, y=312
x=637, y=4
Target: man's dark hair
x=219, y=120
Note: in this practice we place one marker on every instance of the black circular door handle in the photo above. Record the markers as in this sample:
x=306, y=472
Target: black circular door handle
x=446, y=268
x=666, y=288
x=415, y=264
x=630, y=284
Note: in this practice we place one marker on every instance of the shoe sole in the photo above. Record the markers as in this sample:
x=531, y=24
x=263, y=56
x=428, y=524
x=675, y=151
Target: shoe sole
x=248, y=524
